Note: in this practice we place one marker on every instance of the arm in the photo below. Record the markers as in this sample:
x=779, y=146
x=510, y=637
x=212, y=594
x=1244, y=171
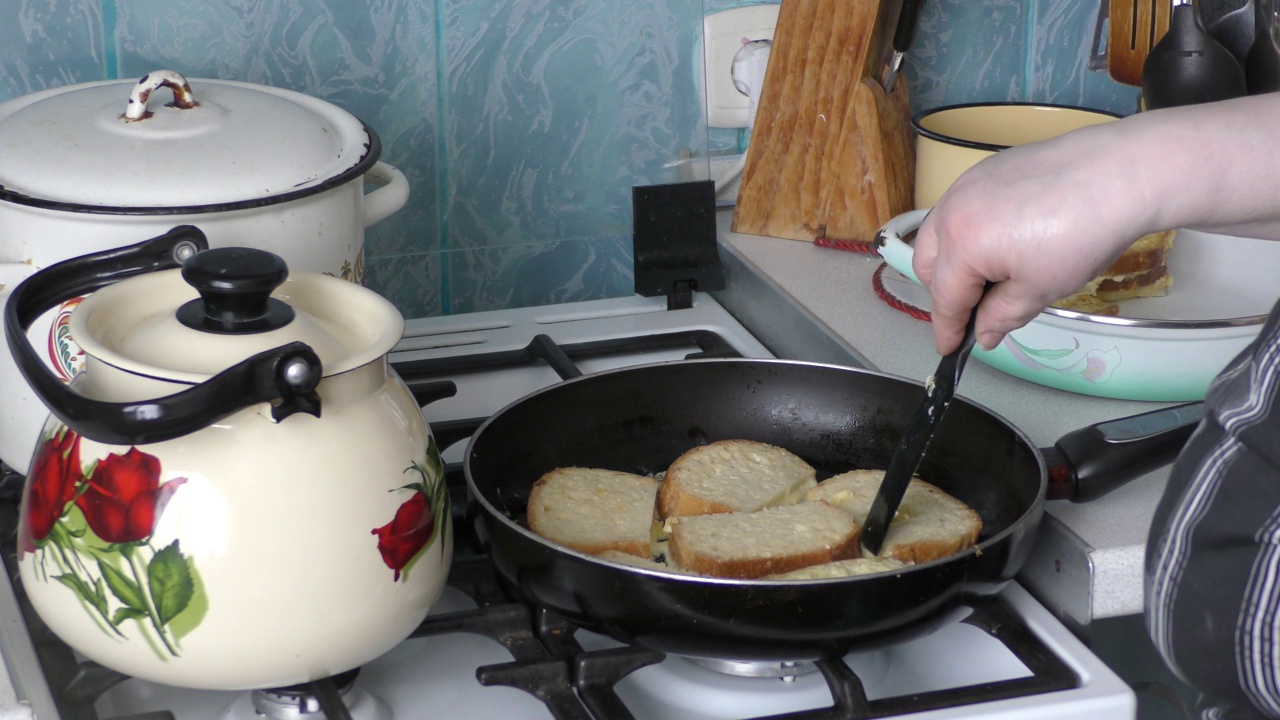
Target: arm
x=1041, y=220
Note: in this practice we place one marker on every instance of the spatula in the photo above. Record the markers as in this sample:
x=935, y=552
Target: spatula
x=1136, y=26
x=939, y=389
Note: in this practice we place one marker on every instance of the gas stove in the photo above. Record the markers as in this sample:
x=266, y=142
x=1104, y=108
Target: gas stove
x=482, y=653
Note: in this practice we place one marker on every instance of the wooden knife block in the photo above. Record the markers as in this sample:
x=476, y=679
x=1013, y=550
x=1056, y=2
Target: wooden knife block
x=831, y=154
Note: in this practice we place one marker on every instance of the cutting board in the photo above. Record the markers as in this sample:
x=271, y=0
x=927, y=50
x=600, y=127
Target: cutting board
x=831, y=154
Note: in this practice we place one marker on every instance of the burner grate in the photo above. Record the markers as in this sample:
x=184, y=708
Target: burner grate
x=562, y=357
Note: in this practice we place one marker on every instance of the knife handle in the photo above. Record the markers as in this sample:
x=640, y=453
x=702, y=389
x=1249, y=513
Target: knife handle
x=905, y=32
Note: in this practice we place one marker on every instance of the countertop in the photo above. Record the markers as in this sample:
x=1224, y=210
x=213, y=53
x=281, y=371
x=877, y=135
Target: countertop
x=1087, y=562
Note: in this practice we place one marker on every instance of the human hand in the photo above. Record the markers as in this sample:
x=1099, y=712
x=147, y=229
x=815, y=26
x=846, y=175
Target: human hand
x=1038, y=221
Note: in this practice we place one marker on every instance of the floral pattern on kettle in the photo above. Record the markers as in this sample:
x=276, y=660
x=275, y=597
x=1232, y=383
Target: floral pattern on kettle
x=90, y=528
x=65, y=356
x=420, y=519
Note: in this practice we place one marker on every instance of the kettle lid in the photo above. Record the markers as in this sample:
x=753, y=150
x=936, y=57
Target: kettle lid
x=228, y=304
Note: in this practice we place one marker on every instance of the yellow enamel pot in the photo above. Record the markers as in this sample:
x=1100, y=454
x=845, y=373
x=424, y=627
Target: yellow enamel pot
x=951, y=139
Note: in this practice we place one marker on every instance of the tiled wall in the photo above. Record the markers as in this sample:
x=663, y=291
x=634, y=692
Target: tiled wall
x=521, y=124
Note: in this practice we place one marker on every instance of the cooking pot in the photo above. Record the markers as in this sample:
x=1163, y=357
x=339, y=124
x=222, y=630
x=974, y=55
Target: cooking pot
x=1161, y=349
x=642, y=418
x=99, y=165
x=237, y=491
x=951, y=139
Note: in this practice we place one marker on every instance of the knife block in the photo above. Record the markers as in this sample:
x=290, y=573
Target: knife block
x=831, y=154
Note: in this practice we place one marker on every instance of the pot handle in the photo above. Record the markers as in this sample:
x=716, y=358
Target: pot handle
x=896, y=253
x=383, y=202
x=1088, y=463
x=182, y=98
x=285, y=376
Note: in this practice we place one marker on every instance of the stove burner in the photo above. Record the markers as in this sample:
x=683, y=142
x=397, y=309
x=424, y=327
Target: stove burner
x=786, y=670
x=334, y=698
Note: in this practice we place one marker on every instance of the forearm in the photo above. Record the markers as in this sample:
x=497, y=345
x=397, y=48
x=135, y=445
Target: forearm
x=1212, y=167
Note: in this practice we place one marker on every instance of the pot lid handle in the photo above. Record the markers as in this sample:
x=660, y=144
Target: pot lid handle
x=285, y=376
x=182, y=98
x=235, y=286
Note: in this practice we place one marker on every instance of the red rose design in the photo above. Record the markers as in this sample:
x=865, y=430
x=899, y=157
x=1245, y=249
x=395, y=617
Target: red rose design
x=124, y=497
x=51, y=485
x=401, y=539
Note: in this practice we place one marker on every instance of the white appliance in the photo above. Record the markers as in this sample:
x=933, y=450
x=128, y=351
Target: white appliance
x=1010, y=659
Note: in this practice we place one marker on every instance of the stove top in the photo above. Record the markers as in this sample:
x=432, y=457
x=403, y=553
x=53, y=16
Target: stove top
x=482, y=653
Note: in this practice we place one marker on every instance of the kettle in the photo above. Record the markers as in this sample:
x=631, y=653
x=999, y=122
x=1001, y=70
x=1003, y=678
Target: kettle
x=238, y=491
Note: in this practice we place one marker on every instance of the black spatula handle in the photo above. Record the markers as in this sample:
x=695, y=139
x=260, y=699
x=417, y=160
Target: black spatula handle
x=938, y=392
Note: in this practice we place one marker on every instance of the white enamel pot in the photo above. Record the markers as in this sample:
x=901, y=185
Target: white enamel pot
x=238, y=491
x=100, y=165
x=1160, y=349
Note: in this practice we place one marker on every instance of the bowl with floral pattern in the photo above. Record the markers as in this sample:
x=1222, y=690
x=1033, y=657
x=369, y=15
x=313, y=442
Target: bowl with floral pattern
x=1166, y=348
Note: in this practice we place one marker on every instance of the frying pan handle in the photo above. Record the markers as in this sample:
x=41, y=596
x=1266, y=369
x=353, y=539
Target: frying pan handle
x=1088, y=463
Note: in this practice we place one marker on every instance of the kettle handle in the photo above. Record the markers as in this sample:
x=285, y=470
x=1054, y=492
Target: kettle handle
x=285, y=376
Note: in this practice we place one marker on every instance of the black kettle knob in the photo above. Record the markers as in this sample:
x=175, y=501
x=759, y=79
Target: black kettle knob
x=235, y=286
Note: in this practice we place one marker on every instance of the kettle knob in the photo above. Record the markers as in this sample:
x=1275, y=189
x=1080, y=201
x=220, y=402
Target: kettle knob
x=235, y=286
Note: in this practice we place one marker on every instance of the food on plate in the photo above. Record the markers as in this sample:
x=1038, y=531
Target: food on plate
x=929, y=523
x=843, y=568
x=593, y=510
x=733, y=476
x=1141, y=271
x=766, y=542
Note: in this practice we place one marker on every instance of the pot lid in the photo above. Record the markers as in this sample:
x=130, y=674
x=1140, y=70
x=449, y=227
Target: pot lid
x=125, y=146
x=226, y=305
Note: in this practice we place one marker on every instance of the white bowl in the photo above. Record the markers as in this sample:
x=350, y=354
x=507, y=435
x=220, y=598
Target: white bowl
x=1162, y=349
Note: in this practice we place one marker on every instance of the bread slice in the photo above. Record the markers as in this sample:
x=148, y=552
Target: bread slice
x=645, y=563
x=767, y=542
x=733, y=476
x=930, y=523
x=593, y=510
x=1142, y=270
x=843, y=568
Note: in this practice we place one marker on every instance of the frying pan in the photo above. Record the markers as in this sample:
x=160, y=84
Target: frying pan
x=640, y=419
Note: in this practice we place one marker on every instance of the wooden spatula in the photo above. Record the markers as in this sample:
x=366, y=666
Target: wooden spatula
x=1136, y=25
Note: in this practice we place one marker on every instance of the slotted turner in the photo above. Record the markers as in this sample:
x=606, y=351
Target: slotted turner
x=1136, y=26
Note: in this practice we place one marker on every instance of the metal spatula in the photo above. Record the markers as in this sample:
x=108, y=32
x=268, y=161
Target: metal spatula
x=1136, y=26
x=939, y=389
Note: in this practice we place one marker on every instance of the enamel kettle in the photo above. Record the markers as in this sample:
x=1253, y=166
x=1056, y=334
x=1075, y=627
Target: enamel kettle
x=238, y=491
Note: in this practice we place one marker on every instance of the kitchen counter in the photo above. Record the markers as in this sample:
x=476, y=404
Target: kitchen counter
x=1088, y=559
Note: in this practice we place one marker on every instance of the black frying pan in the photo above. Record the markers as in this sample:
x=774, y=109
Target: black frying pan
x=640, y=419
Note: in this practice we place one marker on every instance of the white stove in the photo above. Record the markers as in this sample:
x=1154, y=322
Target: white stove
x=1007, y=659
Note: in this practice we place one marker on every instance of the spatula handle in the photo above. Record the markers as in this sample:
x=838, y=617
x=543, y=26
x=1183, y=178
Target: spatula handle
x=939, y=389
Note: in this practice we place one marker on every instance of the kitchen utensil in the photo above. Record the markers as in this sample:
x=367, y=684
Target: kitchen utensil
x=1136, y=26
x=1162, y=348
x=236, y=467
x=831, y=152
x=950, y=139
x=94, y=166
x=1262, y=66
x=640, y=419
x=1188, y=66
x=939, y=389
x=1231, y=23
x=903, y=35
